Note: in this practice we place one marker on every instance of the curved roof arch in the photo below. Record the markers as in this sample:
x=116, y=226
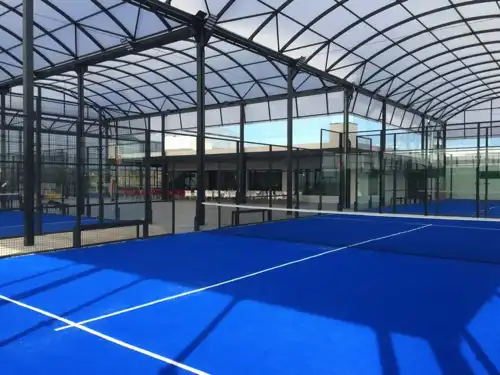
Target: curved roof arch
x=401, y=49
x=434, y=59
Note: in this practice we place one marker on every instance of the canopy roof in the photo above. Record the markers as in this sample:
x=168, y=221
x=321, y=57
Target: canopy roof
x=438, y=59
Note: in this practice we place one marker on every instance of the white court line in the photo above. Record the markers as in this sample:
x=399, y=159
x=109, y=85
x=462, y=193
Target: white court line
x=105, y=337
x=239, y=278
x=49, y=223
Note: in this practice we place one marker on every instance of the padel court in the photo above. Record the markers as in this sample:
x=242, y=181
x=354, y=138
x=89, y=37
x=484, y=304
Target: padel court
x=321, y=294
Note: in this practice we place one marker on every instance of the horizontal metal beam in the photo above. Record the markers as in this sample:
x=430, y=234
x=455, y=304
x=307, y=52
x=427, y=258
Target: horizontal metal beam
x=139, y=45
x=237, y=103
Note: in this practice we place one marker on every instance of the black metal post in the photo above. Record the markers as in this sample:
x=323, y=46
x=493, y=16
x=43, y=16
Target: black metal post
x=3, y=138
x=438, y=170
x=28, y=170
x=80, y=162
x=219, y=209
x=425, y=129
x=147, y=181
x=478, y=170
x=164, y=169
x=116, y=176
x=445, y=161
x=171, y=187
x=381, y=181
x=107, y=166
x=486, y=177
x=200, y=131
x=270, y=187
x=394, y=175
x=451, y=176
x=100, y=183
x=321, y=160
x=88, y=207
x=289, y=137
x=345, y=184
x=356, y=182
x=38, y=164
x=296, y=181
x=242, y=170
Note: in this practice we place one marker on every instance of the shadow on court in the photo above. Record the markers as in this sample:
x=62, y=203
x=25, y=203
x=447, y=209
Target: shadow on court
x=436, y=301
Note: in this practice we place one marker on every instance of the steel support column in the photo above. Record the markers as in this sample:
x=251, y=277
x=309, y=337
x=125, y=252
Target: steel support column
x=478, y=170
x=164, y=170
x=242, y=168
x=381, y=160
x=147, y=180
x=425, y=143
x=28, y=160
x=100, y=183
x=344, y=183
x=80, y=154
x=38, y=163
x=200, y=130
x=289, y=137
x=3, y=138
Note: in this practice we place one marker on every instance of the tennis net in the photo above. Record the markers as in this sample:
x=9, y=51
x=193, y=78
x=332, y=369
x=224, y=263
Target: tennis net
x=450, y=238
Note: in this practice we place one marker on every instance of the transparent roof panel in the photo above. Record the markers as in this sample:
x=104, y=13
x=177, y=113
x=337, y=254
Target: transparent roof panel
x=404, y=50
x=438, y=58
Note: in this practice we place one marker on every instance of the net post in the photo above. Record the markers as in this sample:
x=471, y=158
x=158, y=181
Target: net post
x=381, y=158
x=478, y=169
x=38, y=164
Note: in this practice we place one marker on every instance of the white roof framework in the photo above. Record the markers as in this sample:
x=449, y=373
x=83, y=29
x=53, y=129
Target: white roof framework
x=438, y=59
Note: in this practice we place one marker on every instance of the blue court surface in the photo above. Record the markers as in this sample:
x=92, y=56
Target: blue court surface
x=12, y=223
x=225, y=302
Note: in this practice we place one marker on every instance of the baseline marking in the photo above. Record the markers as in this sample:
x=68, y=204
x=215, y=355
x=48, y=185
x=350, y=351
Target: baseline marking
x=137, y=307
x=105, y=337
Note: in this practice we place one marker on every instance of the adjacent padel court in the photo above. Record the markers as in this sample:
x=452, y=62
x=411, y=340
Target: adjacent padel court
x=315, y=294
x=12, y=223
